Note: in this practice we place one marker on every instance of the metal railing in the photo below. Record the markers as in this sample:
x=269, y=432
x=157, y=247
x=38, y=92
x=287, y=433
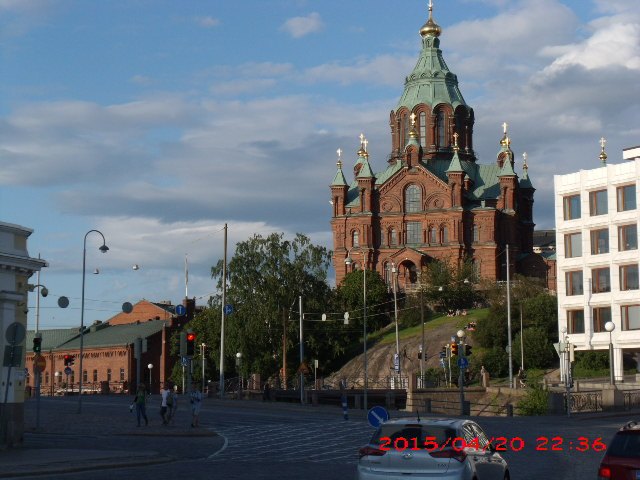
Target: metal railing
x=584, y=402
x=631, y=399
x=390, y=382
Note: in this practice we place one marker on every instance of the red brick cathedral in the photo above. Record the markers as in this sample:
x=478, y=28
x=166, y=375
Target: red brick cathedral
x=433, y=200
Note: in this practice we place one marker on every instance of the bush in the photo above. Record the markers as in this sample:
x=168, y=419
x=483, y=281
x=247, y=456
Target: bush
x=538, y=351
x=496, y=362
x=592, y=360
x=536, y=402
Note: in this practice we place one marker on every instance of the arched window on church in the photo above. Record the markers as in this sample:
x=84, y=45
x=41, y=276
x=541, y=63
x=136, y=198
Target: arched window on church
x=442, y=136
x=355, y=238
x=387, y=274
x=433, y=234
x=393, y=237
x=423, y=129
x=444, y=234
x=412, y=199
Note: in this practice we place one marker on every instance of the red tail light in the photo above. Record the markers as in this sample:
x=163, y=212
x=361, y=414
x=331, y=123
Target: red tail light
x=604, y=473
x=449, y=453
x=368, y=450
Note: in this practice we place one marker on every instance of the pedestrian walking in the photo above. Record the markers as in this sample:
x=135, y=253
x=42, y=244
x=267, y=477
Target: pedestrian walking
x=196, y=404
x=172, y=404
x=266, y=393
x=164, y=395
x=140, y=401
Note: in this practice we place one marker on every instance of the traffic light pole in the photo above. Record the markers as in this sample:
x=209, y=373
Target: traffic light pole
x=461, y=377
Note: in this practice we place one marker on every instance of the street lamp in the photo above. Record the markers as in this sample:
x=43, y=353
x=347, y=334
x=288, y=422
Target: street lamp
x=348, y=262
x=610, y=327
x=394, y=280
x=567, y=368
x=103, y=249
x=203, y=345
x=238, y=365
x=150, y=366
x=460, y=334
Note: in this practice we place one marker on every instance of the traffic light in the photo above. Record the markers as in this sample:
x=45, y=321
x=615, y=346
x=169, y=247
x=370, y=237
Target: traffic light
x=467, y=350
x=72, y=360
x=420, y=353
x=191, y=344
x=443, y=353
x=37, y=343
x=454, y=349
x=183, y=344
x=67, y=360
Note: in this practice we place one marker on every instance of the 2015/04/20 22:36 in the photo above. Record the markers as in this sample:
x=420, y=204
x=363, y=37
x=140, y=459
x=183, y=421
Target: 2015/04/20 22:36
x=501, y=444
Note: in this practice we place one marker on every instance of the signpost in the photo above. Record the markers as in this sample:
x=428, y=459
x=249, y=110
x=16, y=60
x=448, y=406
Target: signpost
x=377, y=415
x=463, y=362
x=228, y=309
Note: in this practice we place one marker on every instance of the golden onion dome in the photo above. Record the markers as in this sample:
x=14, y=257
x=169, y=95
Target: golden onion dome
x=430, y=29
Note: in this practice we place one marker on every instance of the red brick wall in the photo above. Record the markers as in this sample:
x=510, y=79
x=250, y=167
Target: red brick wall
x=143, y=311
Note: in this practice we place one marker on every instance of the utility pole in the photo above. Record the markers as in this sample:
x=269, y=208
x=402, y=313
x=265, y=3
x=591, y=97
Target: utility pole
x=509, y=322
x=301, y=354
x=284, y=349
x=424, y=350
x=224, y=300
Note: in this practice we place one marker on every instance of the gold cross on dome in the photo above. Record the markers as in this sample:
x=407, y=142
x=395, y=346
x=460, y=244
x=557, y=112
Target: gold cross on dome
x=430, y=5
x=339, y=152
x=413, y=119
x=504, y=127
x=361, y=138
x=365, y=142
x=455, y=139
x=525, y=156
x=603, y=142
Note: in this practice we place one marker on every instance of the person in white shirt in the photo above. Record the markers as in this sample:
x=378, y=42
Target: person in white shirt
x=196, y=403
x=164, y=394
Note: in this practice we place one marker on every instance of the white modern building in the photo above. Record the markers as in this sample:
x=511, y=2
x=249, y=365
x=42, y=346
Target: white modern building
x=597, y=219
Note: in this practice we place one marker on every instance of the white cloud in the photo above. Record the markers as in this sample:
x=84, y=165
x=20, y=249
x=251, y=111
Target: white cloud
x=207, y=22
x=299, y=27
x=381, y=70
x=140, y=80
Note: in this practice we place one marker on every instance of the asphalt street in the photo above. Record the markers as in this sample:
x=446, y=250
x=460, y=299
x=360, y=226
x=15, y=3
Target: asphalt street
x=274, y=441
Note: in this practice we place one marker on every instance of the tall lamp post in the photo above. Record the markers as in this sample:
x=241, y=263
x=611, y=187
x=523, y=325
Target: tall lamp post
x=150, y=367
x=348, y=262
x=610, y=327
x=460, y=334
x=566, y=349
x=103, y=249
x=238, y=365
x=394, y=280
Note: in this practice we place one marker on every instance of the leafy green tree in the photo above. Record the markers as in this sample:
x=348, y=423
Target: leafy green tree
x=496, y=362
x=538, y=351
x=492, y=331
x=265, y=278
x=350, y=297
x=448, y=287
x=541, y=312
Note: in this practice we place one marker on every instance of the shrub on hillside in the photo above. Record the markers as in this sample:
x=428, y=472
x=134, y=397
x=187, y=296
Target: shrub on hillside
x=496, y=362
x=536, y=402
x=538, y=351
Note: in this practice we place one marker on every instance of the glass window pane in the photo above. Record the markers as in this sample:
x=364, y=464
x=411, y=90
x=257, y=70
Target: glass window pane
x=601, y=280
x=423, y=129
x=600, y=241
x=601, y=316
x=571, y=207
x=573, y=245
x=574, y=283
x=631, y=317
x=598, y=202
x=629, y=277
x=412, y=199
x=575, y=320
x=626, y=198
x=414, y=232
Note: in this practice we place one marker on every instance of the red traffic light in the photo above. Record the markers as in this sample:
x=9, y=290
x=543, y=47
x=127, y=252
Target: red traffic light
x=67, y=360
x=191, y=337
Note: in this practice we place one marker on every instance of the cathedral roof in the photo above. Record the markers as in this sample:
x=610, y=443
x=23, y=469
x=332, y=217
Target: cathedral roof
x=431, y=81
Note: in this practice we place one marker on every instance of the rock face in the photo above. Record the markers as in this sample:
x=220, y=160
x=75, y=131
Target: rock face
x=380, y=356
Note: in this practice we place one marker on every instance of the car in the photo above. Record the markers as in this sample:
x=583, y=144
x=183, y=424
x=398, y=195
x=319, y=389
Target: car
x=442, y=448
x=622, y=459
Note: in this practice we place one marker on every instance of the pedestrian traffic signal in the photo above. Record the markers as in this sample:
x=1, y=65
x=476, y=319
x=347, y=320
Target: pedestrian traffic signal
x=37, y=343
x=191, y=341
x=467, y=350
x=454, y=349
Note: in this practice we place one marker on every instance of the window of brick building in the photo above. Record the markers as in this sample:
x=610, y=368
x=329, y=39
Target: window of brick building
x=600, y=241
x=393, y=237
x=122, y=374
x=600, y=280
x=573, y=245
x=442, y=138
x=626, y=198
x=628, y=237
x=574, y=283
x=629, y=277
x=423, y=129
x=108, y=374
x=601, y=315
x=630, y=317
x=85, y=376
x=355, y=238
x=444, y=234
x=95, y=375
x=46, y=378
x=571, y=207
x=476, y=233
x=433, y=235
x=575, y=321
x=414, y=233
x=412, y=199
x=598, y=203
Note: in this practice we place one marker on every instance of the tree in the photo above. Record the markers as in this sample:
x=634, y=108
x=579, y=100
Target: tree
x=350, y=297
x=447, y=287
x=538, y=351
x=266, y=276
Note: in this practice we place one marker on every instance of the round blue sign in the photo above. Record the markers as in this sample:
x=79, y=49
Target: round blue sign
x=180, y=310
x=228, y=309
x=377, y=415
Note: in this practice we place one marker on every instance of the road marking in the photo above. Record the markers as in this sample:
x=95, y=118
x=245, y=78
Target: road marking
x=224, y=447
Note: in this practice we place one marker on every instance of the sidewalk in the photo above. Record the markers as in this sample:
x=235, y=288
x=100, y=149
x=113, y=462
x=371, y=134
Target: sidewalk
x=103, y=436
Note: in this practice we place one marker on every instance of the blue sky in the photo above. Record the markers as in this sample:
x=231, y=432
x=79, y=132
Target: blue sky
x=158, y=121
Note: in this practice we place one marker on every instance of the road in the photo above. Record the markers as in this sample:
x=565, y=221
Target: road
x=276, y=441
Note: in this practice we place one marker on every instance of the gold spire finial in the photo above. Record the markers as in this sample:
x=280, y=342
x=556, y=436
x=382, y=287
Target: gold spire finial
x=431, y=28
x=455, y=142
x=339, y=162
x=413, y=119
x=603, y=154
x=525, y=156
x=362, y=151
x=504, y=127
x=505, y=142
x=365, y=144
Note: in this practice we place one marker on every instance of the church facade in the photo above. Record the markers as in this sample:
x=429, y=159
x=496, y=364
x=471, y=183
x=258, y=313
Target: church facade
x=433, y=201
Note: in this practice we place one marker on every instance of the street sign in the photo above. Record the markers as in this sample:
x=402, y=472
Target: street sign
x=377, y=415
x=442, y=362
x=228, y=309
x=127, y=307
x=39, y=363
x=180, y=310
x=396, y=362
x=463, y=362
x=15, y=333
x=184, y=361
x=557, y=347
x=68, y=371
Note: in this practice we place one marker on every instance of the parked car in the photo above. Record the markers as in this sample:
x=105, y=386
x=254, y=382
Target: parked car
x=622, y=460
x=443, y=448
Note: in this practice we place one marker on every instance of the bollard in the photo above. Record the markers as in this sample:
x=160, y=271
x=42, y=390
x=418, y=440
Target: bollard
x=466, y=407
x=509, y=410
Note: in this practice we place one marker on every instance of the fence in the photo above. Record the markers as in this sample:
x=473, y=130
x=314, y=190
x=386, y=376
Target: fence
x=631, y=399
x=582, y=402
